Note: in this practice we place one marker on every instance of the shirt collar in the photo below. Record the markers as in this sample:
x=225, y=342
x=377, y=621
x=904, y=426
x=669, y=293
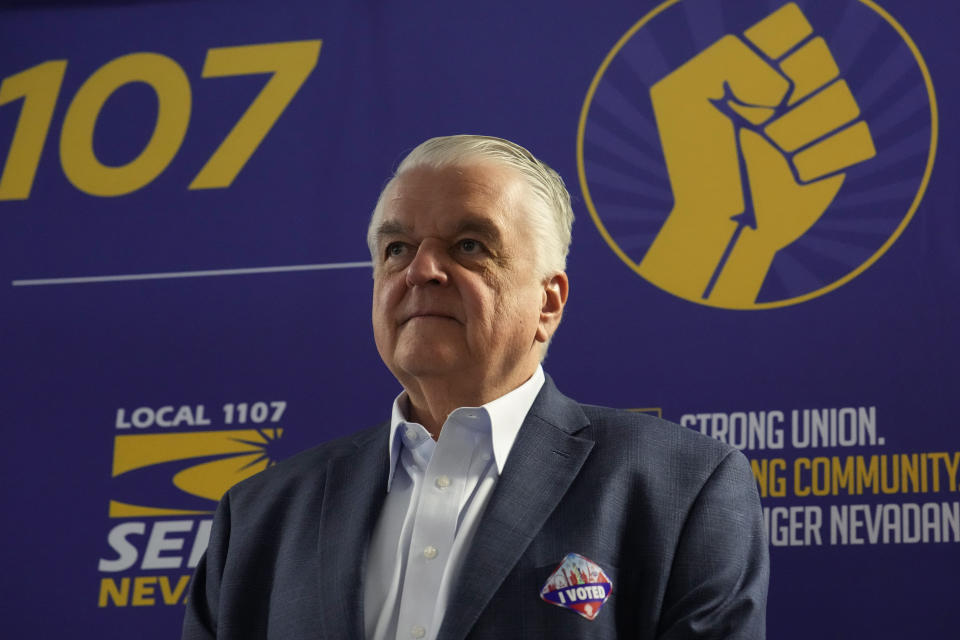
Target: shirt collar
x=506, y=414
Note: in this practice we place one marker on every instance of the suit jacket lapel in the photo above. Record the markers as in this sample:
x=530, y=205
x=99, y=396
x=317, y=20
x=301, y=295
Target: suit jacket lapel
x=543, y=462
x=356, y=485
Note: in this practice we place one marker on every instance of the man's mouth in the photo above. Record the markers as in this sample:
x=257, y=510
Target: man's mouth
x=439, y=315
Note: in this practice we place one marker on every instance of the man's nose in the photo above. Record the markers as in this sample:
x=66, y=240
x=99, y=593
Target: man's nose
x=429, y=265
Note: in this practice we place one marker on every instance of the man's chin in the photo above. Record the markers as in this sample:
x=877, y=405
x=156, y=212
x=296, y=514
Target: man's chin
x=425, y=368
x=423, y=361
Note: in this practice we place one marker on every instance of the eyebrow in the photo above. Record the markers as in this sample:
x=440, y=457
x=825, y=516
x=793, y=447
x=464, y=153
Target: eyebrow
x=391, y=228
x=480, y=226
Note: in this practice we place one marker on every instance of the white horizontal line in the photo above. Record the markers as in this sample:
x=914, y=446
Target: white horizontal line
x=189, y=274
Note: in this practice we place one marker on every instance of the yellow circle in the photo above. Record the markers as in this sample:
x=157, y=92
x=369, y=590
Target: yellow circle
x=581, y=172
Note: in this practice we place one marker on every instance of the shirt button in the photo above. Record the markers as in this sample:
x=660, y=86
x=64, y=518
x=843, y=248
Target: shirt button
x=429, y=552
x=442, y=482
x=411, y=434
x=417, y=631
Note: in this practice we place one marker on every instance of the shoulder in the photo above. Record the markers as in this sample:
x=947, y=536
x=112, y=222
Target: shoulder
x=643, y=427
x=657, y=448
x=638, y=444
x=302, y=472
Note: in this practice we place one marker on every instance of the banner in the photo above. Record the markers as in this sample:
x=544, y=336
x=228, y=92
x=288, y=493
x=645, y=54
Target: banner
x=765, y=251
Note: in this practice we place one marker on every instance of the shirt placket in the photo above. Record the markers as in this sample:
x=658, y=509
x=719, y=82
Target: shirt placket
x=434, y=529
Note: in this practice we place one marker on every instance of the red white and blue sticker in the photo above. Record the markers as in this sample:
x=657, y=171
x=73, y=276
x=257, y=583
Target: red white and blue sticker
x=578, y=584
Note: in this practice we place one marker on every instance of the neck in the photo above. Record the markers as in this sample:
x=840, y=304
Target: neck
x=431, y=401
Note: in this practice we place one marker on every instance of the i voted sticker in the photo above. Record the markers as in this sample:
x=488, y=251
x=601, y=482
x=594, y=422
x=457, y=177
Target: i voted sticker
x=578, y=584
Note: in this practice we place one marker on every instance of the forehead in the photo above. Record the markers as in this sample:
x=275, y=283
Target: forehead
x=427, y=199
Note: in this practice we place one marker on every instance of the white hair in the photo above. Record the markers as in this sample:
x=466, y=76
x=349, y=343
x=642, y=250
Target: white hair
x=550, y=213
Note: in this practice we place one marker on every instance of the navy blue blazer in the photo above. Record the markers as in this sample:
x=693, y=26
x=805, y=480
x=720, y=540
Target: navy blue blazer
x=672, y=517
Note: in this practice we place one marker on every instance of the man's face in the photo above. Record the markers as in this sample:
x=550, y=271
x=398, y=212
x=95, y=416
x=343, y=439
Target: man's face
x=457, y=293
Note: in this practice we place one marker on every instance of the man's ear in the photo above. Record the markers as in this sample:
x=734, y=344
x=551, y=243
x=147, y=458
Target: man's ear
x=555, y=290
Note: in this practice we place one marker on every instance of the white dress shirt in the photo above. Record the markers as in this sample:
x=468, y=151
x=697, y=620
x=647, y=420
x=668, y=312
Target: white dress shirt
x=435, y=497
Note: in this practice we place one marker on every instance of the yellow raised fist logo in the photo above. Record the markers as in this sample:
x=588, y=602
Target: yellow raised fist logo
x=743, y=156
x=756, y=132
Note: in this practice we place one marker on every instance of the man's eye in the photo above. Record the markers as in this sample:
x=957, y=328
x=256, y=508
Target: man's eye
x=469, y=245
x=395, y=249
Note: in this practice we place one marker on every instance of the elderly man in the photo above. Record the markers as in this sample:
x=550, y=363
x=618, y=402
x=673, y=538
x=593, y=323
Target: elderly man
x=490, y=505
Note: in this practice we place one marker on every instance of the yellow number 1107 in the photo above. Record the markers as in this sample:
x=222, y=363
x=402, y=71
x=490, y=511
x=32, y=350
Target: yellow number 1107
x=290, y=63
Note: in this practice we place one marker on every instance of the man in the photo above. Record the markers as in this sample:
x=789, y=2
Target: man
x=490, y=506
